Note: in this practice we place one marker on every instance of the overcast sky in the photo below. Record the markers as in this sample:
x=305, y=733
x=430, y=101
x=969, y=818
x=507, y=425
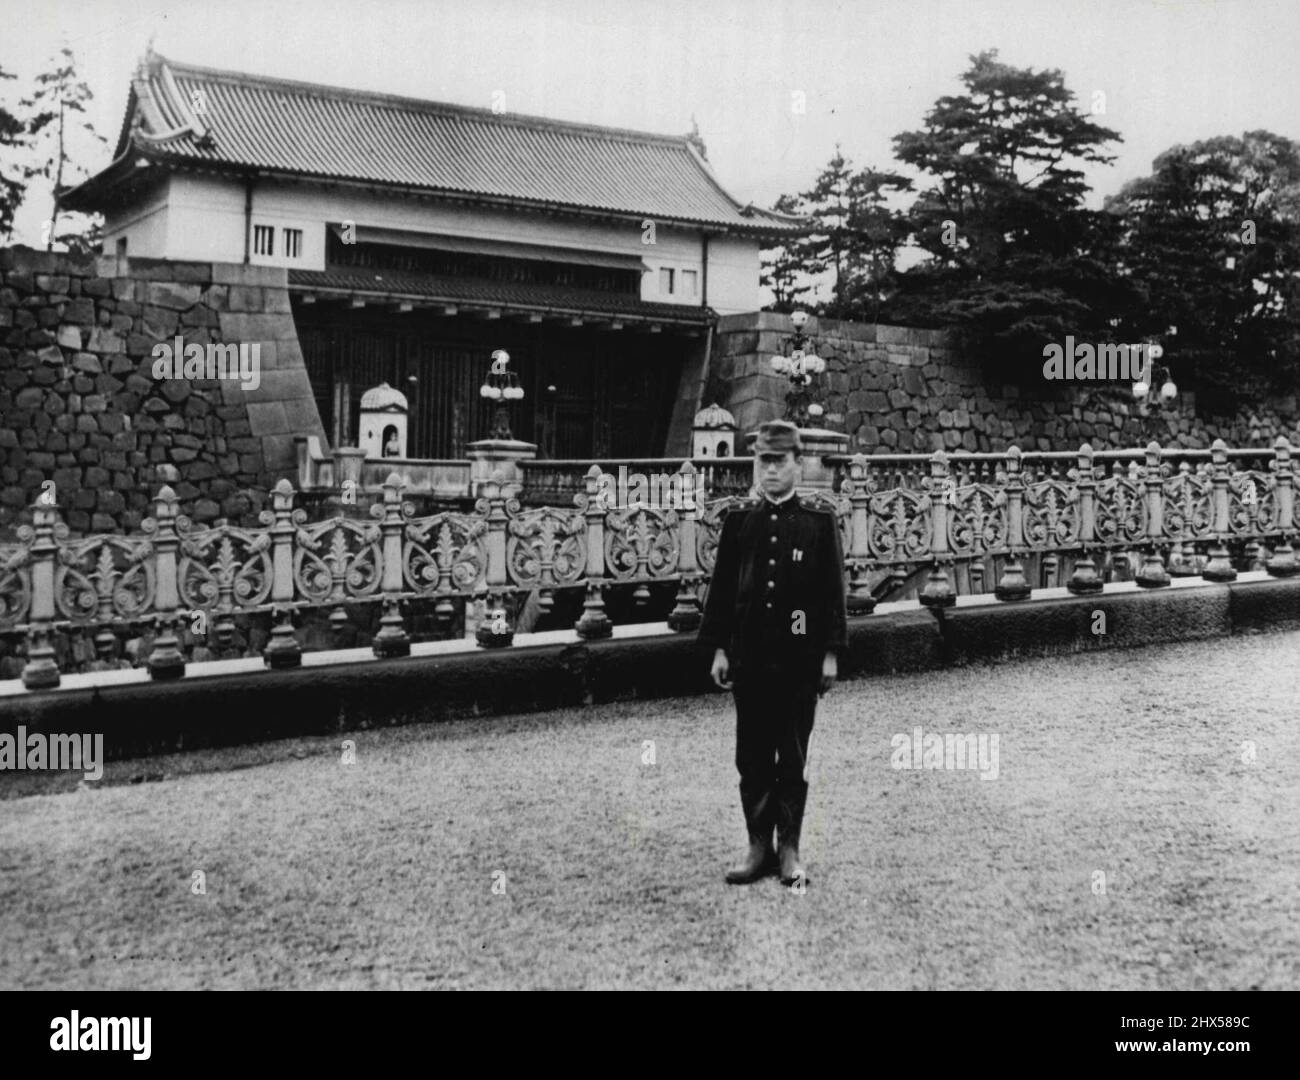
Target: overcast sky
x=1172, y=71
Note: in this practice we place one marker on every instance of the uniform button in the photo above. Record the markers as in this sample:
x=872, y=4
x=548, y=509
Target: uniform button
x=772, y=538
x=771, y=562
x=769, y=605
x=773, y=517
x=771, y=584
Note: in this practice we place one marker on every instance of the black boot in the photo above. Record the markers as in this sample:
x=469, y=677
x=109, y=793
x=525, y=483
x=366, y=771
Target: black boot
x=759, y=863
x=789, y=824
x=761, y=859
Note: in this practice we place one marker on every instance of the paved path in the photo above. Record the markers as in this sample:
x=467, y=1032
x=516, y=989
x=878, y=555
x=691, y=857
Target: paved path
x=1136, y=765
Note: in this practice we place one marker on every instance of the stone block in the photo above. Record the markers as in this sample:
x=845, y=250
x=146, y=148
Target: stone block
x=105, y=341
x=171, y=295
x=240, y=328
x=239, y=274
x=279, y=453
x=159, y=323
x=245, y=299
x=52, y=283
x=205, y=510
x=199, y=315
x=268, y=418
x=756, y=320
x=303, y=416
x=169, y=271
x=277, y=301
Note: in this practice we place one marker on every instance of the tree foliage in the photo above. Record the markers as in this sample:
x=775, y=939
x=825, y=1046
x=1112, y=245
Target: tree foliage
x=13, y=140
x=1012, y=258
x=57, y=128
x=1212, y=237
x=853, y=243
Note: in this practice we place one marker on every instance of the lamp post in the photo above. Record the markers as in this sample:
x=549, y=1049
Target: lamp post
x=799, y=364
x=501, y=386
x=1156, y=373
x=1149, y=404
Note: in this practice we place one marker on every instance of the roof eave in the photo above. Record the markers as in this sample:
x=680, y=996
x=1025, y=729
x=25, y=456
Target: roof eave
x=162, y=157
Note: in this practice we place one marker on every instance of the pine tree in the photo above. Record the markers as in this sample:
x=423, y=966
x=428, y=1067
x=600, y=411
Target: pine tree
x=13, y=141
x=1014, y=259
x=52, y=123
x=782, y=268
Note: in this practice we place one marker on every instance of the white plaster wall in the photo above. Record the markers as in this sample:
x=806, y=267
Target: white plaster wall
x=204, y=221
x=144, y=226
x=734, y=269
x=207, y=219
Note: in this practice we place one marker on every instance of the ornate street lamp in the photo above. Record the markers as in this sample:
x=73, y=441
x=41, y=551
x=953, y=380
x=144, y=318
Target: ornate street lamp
x=501, y=386
x=799, y=363
x=1157, y=373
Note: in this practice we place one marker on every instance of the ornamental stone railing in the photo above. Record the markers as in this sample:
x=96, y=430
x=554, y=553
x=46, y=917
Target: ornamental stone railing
x=967, y=519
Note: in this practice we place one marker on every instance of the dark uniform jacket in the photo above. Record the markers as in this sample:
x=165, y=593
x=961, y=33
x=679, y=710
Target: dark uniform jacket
x=774, y=560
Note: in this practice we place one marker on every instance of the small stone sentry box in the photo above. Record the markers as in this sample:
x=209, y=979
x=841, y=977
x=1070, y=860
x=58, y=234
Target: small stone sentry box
x=715, y=433
x=383, y=422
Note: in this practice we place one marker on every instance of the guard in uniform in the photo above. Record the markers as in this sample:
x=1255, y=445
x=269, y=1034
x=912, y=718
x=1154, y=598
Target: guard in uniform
x=775, y=617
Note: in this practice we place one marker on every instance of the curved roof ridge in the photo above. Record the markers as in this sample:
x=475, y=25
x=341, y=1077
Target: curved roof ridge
x=378, y=97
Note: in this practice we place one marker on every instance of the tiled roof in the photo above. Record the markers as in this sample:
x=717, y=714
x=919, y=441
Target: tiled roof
x=470, y=291
x=305, y=130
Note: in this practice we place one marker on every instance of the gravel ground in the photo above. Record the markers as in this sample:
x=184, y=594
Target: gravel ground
x=607, y=871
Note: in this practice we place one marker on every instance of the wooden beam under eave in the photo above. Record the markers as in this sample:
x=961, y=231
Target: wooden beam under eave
x=574, y=321
x=405, y=306
x=530, y=317
x=446, y=309
x=357, y=302
x=308, y=298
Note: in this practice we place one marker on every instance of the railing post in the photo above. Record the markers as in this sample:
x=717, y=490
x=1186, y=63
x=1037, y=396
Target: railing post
x=1282, y=562
x=1012, y=585
x=283, y=650
x=685, y=615
x=392, y=639
x=594, y=623
x=495, y=630
x=938, y=591
x=1153, y=574
x=859, y=601
x=165, y=659
x=41, y=672
x=1220, y=567
x=1085, y=580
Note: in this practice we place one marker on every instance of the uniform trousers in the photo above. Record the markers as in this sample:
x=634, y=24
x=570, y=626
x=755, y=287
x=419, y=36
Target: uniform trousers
x=775, y=704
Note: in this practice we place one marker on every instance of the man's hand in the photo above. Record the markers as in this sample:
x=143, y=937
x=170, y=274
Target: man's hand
x=721, y=669
x=830, y=672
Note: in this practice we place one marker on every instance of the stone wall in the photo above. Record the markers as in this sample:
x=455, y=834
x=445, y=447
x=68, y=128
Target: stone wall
x=79, y=404
x=900, y=390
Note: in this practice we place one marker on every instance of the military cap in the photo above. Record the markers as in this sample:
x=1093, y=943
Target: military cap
x=776, y=437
